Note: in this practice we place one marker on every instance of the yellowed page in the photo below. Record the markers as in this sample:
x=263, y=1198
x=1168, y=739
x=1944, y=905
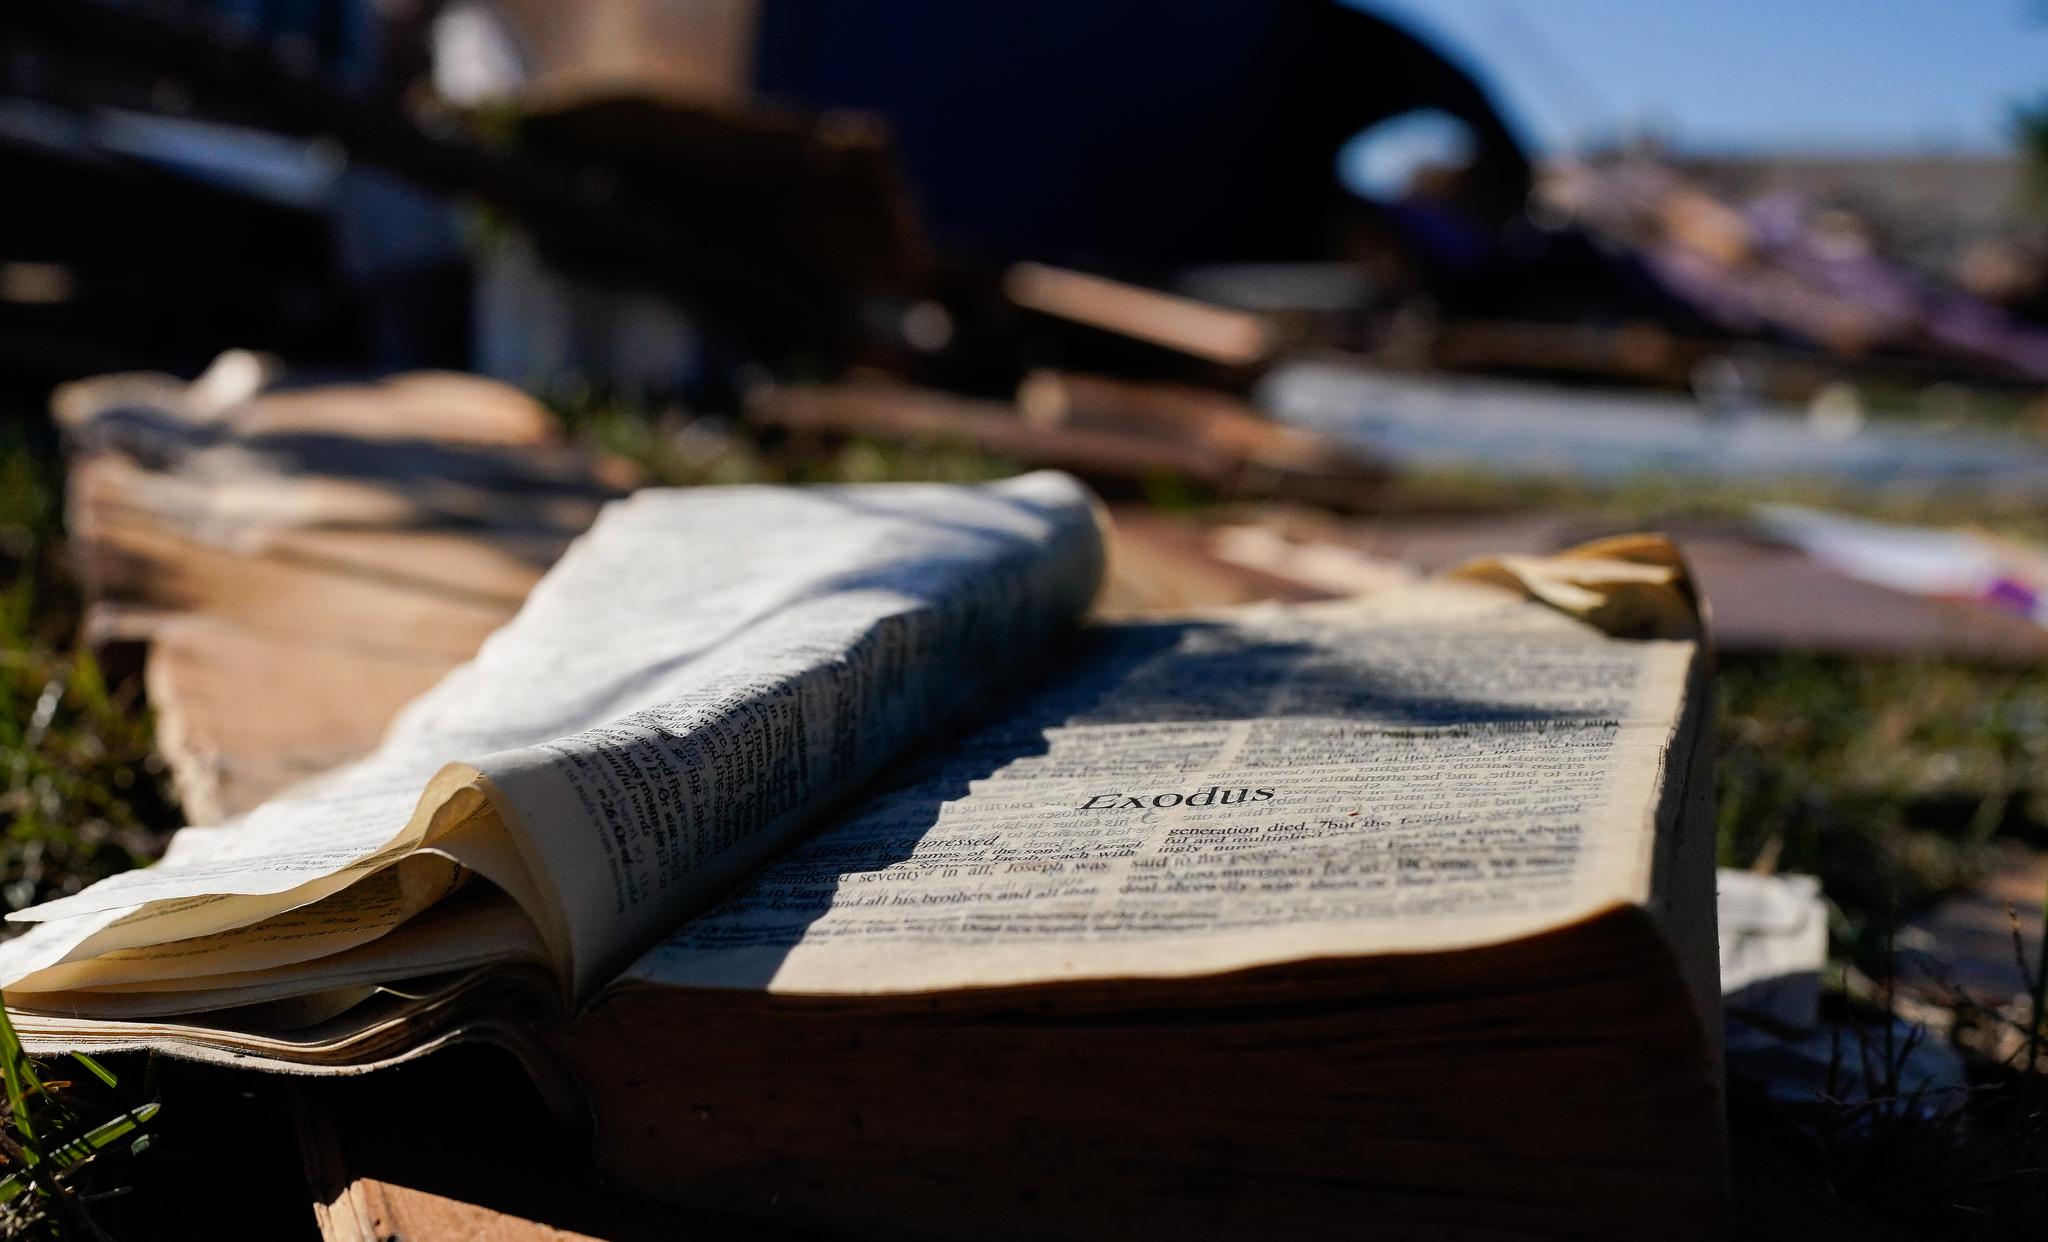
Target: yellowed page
x=215, y=880
x=479, y=929
x=762, y=677
x=354, y=916
x=1423, y=770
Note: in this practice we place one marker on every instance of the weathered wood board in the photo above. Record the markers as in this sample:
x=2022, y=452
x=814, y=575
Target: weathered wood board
x=299, y=564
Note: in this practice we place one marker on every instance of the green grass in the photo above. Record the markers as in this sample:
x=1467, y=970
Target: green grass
x=85, y=794
x=1889, y=778
x=52, y=1131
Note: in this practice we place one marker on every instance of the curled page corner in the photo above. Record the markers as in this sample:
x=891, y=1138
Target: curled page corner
x=1626, y=586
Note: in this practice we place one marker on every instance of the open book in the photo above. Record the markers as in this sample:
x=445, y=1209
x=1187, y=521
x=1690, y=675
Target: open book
x=908, y=896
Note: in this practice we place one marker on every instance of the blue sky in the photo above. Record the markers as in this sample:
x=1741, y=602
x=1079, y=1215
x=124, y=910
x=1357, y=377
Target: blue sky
x=1746, y=75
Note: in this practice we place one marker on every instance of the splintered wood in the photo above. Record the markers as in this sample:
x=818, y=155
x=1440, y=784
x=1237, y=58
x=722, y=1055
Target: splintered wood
x=300, y=564
x=1106, y=430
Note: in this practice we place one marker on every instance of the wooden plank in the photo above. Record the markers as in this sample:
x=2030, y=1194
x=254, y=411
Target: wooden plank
x=1765, y=597
x=1101, y=429
x=439, y=406
x=243, y=713
x=1164, y=564
x=460, y=1147
x=134, y=562
x=1228, y=338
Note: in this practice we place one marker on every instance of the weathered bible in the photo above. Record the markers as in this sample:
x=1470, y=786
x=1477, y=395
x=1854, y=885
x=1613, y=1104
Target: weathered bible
x=819, y=847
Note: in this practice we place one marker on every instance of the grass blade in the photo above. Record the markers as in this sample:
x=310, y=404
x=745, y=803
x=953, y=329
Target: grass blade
x=68, y=1156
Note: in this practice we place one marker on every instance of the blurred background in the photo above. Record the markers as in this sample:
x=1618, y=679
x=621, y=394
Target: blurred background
x=324, y=324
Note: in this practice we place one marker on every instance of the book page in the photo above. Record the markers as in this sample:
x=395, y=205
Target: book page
x=681, y=694
x=355, y=915
x=742, y=704
x=477, y=928
x=1434, y=769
